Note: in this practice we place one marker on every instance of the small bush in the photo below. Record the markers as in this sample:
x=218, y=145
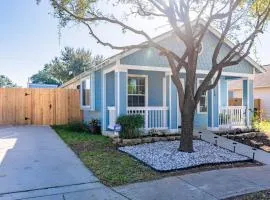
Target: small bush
x=130, y=126
x=262, y=125
x=95, y=127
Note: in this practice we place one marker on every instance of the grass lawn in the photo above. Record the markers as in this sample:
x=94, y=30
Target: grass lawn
x=263, y=195
x=114, y=168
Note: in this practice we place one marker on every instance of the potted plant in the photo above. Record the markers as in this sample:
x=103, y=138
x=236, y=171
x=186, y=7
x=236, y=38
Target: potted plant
x=94, y=126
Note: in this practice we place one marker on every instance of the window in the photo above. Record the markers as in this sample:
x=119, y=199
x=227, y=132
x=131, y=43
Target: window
x=86, y=93
x=202, y=105
x=136, y=91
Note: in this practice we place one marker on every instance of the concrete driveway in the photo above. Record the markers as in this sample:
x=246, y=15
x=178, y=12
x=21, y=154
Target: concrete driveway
x=34, y=161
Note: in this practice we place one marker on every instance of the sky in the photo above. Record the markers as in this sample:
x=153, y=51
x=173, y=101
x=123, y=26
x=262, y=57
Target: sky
x=29, y=38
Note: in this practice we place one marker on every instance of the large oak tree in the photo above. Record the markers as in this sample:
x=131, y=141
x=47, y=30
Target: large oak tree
x=239, y=20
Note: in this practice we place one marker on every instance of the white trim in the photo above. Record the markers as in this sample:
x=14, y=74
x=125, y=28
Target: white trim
x=248, y=103
x=144, y=68
x=106, y=71
x=227, y=86
x=92, y=93
x=146, y=87
x=170, y=101
x=219, y=93
x=206, y=98
x=164, y=91
x=212, y=105
x=167, y=69
x=118, y=93
x=104, y=107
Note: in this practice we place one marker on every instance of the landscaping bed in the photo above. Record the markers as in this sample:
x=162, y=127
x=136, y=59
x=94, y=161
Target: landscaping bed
x=254, y=139
x=113, y=167
x=164, y=156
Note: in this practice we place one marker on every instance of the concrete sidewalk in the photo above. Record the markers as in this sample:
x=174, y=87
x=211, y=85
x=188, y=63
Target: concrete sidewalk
x=211, y=185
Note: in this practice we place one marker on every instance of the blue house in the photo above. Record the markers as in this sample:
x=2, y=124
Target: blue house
x=139, y=82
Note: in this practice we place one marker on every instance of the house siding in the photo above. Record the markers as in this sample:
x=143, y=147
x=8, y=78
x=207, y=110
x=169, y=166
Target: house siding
x=151, y=57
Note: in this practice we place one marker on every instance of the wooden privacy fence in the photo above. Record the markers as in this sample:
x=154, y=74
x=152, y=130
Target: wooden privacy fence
x=39, y=106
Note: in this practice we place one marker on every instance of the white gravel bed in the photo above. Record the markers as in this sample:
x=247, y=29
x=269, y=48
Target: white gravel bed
x=164, y=156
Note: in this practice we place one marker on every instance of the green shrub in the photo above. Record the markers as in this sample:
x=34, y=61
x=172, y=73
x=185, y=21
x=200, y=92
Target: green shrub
x=130, y=126
x=95, y=127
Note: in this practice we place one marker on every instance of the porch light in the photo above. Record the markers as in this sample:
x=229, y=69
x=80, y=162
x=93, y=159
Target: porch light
x=234, y=146
x=253, y=155
x=216, y=137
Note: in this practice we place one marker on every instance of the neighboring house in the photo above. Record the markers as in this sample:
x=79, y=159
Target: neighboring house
x=139, y=82
x=38, y=85
x=261, y=90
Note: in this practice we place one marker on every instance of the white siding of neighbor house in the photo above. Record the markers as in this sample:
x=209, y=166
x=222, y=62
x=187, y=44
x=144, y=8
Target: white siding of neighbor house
x=259, y=93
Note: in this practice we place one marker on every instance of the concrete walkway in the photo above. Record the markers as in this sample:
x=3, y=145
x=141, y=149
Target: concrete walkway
x=242, y=149
x=211, y=185
x=35, y=162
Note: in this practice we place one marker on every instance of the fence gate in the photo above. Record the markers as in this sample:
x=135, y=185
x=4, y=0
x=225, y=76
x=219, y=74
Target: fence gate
x=21, y=106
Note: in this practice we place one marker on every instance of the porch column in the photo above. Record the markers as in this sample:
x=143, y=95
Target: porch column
x=171, y=103
x=248, y=100
x=121, y=92
x=213, y=107
x=223, y=92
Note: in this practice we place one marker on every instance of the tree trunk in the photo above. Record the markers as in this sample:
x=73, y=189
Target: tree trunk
x=186, y=141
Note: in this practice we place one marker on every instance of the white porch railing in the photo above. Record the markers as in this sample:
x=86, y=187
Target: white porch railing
x=112, y=117
x=232, y=116
x=154, y=117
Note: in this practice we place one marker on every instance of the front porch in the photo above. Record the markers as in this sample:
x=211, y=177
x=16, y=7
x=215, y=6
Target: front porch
x=148, y=93
x=153, y=95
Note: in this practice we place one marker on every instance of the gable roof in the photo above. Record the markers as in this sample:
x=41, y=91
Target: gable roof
x=159, y=38
x=260, y=80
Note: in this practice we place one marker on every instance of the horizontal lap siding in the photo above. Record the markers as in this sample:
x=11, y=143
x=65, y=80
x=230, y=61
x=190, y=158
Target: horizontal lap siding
x=151, y=56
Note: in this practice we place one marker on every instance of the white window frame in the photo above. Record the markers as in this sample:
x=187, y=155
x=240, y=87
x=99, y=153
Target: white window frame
x=146, y=86
x=206, y=98
x=91, y=79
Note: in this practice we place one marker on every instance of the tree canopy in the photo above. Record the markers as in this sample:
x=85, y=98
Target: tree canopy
x=189, y=21
x=5, y=82
x=71, y=63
